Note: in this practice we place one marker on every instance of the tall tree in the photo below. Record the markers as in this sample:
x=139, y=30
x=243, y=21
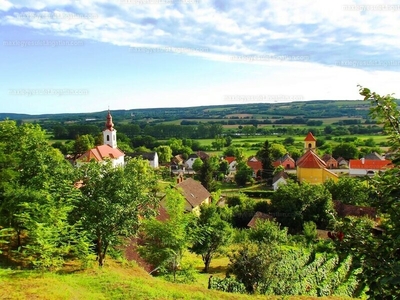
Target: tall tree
x=113, y=201
x=206, y=174
x=264, y=154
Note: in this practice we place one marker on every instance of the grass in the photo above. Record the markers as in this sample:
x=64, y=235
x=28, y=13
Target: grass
x=116, y=280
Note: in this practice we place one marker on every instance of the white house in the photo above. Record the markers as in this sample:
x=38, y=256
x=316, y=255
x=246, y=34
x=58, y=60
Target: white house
x=108, y=150
x=189, y=162
x=279, y=179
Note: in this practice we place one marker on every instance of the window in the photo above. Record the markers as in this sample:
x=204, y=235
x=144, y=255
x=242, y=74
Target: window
x=108, y=138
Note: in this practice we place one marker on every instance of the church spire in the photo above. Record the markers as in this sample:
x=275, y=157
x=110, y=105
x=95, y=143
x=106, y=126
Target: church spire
x=109, y=122
x=109, y=133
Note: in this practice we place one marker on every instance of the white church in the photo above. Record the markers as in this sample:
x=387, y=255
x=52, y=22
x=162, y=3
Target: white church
x=108, y=150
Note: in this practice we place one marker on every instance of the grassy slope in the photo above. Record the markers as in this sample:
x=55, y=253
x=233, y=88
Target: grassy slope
x=114, y=281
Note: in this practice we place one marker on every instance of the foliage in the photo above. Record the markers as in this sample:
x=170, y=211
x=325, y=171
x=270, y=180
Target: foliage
x=206, y=174
x=83, y=143
x=350, y=190
x=298, y=203
x=227, y=284
x=269, y=232
x=345, y=150
x=212, y=234
x=113, y=200
x=264, y=154
x=197, y=165
x=310, y=231
x=164, y=242
x=37, y=196
x=244, y=174
x=277, y=151
x=164, y=153
x=267, y=269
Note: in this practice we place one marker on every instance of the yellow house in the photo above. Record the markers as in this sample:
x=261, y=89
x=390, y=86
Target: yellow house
x=310, y=167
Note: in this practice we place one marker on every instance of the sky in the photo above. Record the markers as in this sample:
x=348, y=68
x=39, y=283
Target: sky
x=60, y=56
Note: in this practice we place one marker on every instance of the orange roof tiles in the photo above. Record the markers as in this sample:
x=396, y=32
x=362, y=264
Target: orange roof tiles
x=311, y=160
x=310, y=137
x=230, y=159
x=99, y=153
x=370, y=164
x=255, y=165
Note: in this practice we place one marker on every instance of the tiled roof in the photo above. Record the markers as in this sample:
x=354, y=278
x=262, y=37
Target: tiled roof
x=202, y=155
x=310, y=138
x=259, y=216
x=327, y=157
x=311, y=160
x=99, y=153
x=193, y=191
x=255, y=165
x=230, y=159
x=278, y=175
x=370, y=164
x=344, y=210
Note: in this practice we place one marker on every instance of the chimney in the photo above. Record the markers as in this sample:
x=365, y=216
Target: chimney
x=362, y=160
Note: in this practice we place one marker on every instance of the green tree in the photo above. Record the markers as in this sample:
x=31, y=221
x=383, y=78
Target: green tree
x=164, y=242
x=243, y=174
x=83, y=143
x=264, y=154
x=268, y=232
x=197, y=164
x=164, y=153
x=350, y=190
x=212, y=234
x=345, y=150
x=206, y=174
x=298, y=203
x=36, y=195
x=289, y=140
x=113, y=200
x=277, y=151
x=218, y=143
x=230, y=151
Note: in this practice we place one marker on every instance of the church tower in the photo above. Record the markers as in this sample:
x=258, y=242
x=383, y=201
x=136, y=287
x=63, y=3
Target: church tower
x=310, y=143
x=109, y=133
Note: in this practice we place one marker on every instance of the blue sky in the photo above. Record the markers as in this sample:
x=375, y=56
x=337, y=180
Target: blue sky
x=85, y=56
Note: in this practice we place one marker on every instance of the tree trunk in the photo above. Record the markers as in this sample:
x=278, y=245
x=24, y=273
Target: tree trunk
x=99, y=247
x=207, y=261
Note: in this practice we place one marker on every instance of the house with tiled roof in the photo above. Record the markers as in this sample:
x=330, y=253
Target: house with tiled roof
x=279, y=179
x=342, y=163
x=285, y=161
x=256, y=166
x=107, y=151
x=310, y=167
x=331, y=163
x=232, y=163
x=362, y=167
x=194, y=193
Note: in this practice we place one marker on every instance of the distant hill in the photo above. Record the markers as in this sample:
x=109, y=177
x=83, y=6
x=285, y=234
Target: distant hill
x=305, y=109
